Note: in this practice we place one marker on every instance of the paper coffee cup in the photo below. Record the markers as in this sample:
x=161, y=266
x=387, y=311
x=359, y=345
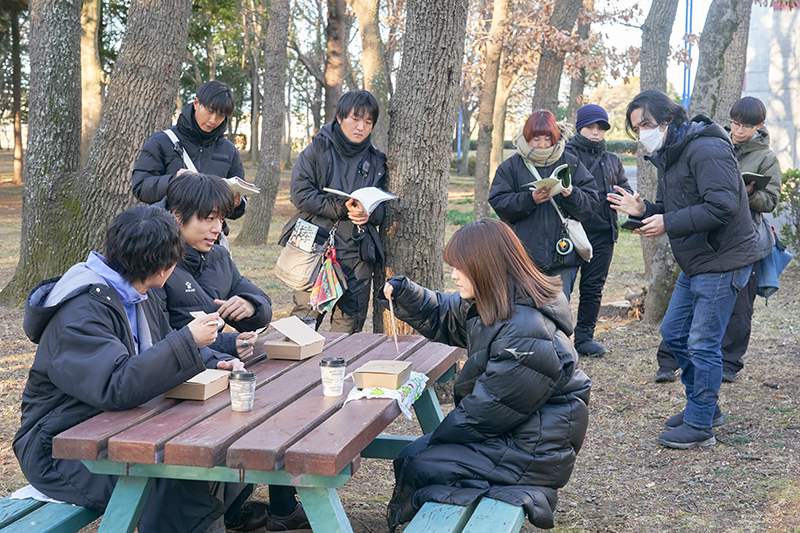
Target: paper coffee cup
x=332, y=369
x=243, y=389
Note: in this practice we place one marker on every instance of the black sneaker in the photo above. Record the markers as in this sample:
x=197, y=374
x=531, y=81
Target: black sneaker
x=590, y=348
x=686, y=437
x=297, y=521
x=676, y=420
x=667, y=374
x=254, y=516
x=729, y=376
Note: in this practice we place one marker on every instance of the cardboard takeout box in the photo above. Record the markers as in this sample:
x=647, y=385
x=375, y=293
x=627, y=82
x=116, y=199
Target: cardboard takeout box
x=300, y=341
x=385, y=374
x=201, y=387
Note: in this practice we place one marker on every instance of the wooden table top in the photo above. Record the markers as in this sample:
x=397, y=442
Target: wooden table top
x=292, y=425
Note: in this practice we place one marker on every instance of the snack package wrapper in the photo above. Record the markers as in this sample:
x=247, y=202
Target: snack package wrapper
x=405, y=395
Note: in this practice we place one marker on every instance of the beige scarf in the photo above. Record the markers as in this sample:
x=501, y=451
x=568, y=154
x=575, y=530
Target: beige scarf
x=543, y=157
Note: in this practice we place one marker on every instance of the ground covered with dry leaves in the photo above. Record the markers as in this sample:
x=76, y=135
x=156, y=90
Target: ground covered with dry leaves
x=623, y=481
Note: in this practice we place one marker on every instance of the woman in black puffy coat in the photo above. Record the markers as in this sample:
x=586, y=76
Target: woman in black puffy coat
x=521, y=402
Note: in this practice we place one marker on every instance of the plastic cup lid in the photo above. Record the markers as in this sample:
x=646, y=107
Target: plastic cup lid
x=332, y=361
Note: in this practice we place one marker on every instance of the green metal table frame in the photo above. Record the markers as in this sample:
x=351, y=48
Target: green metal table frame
x=317, y=493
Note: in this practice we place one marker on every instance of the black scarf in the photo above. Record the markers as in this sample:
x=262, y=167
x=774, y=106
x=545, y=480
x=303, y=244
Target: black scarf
x=187, y=124
x=345, y=146
x=593, y=147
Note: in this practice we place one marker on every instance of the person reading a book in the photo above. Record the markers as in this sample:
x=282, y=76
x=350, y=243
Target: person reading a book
x=589, y=146
x=105, y=344
x=341, y=157
x=751, y=143
x=200, y=133
x=532, y=214
x=521, y=402
x=701, y=205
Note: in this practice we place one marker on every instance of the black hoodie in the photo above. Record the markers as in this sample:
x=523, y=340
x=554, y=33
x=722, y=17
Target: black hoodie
x=704, y=201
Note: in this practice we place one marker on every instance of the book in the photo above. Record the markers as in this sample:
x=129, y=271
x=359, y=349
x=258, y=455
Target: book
x=303, y=235
x=370, y=197
x=237, y=184
x=560, y=179
x=760, y=179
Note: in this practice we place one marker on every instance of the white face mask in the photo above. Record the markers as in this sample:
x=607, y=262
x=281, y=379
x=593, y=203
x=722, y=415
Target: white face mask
x=652, y=140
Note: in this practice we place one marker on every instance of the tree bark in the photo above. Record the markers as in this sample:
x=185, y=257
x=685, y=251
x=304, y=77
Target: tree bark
x=54, y=125
x=334, y=65
x=255, y=229
x=577, y=85
x=67, y=213
x=466, y=133
x=551, y=63
x=506, y=84
x=16, y=96
x=494, y=49
x=730, y=89
x=91, y=75
x=423, y=110
x=373, y=65
x=721, y=23
x=661, y=271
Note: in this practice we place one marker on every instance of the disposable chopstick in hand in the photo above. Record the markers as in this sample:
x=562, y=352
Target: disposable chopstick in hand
x=394, y=325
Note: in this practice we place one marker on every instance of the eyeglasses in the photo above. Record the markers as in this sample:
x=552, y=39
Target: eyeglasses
x=741, y=126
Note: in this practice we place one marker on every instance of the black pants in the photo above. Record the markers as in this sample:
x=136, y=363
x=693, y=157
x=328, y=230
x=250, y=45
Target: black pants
x=350, y=310
x=593, y=279
x=737, y=334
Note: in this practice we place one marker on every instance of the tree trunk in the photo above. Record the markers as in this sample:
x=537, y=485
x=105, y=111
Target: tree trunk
x=334, y=65
x=494, y=49
x=56, y=234
x=551, y=63
x=730, y=90
x=287, y=154
x=16, y=96
x=721, y=23
x=423, y=110
x=466, y=133
x=373, y=65
x=255, y=229
x=661, y=271
x=54, y=125
x=506, y=84
x=578, y=84
x=254, y=115
x=91, y=75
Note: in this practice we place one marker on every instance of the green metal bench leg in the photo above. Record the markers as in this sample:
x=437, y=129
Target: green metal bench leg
x=126, y=504
x=324, y=510
x=428, y=411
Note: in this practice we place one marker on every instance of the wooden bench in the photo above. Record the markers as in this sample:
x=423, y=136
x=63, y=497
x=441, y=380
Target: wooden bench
x=29, y=515
x=485, y=516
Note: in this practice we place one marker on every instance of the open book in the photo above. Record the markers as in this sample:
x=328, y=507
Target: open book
x=560, y=179
x=370, y=197
x=760, y=179
x=237, y=184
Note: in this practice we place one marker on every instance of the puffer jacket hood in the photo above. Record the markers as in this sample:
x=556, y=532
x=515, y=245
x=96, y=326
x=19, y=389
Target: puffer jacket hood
x=48, y=296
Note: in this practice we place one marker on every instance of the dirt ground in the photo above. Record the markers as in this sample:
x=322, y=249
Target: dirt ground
x=623, y=481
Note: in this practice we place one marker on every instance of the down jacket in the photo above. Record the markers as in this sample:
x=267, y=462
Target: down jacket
x=198, y=279
x=521, y=408
x=86, y=363
x=539, y=226
x=703, y=198
x=159, y=162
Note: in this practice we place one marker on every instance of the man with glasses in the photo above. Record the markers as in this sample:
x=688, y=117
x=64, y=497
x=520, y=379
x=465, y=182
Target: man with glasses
x=751, y=143
x=702, y=206
x=200, y=133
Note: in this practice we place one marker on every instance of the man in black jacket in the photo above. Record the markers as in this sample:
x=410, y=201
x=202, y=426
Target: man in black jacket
x=702, y=206
x=106, y=345
x=200, y=132
x=342, y=157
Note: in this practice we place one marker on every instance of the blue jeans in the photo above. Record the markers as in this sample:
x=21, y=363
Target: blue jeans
x=568, y=276
x=693, y=327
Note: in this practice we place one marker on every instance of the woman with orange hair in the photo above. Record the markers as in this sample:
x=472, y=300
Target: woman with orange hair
x=540, y=150
x=521, y=403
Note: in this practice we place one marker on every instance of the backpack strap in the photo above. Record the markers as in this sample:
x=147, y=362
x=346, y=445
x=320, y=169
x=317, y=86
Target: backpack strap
x=176, y=145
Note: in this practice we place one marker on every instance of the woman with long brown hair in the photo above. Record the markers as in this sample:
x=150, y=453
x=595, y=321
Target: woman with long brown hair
x=540, y=150
x=521, y=402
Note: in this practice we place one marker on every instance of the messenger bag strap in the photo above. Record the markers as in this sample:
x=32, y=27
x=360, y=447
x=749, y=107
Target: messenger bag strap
x=176, y=145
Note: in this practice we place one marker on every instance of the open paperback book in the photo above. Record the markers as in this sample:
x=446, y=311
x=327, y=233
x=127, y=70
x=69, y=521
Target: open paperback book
x=559, y=180
x=760, y=179
x=370, y=197
x=237, y=184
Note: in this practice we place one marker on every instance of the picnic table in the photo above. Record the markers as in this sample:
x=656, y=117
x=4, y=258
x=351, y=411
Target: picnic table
x=293, y=436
